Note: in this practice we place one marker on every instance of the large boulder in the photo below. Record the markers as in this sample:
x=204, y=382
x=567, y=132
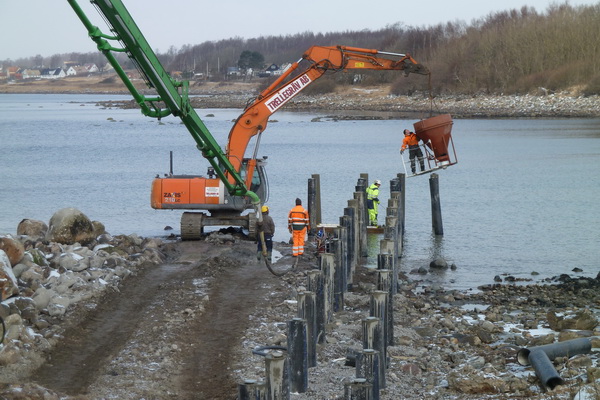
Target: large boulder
x=32, y=228
x=8, y=282
x=69, y=226
x=13, y=249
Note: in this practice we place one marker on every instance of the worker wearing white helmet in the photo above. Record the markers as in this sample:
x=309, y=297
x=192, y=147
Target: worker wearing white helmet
x=373, y=201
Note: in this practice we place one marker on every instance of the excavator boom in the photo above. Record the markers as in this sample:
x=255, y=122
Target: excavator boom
x=320, y=60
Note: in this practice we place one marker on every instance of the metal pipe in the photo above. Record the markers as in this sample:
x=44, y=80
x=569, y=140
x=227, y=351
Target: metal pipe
x=544, y=369
x=540, y=358
x=567, y=348
x=358, y=389
x=368, y=367
x=276, y=370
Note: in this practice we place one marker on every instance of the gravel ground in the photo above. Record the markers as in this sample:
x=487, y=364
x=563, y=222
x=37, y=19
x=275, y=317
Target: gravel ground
x=196, y=319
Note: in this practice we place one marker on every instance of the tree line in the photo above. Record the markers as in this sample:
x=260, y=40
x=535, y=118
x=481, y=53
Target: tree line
x=512, y=52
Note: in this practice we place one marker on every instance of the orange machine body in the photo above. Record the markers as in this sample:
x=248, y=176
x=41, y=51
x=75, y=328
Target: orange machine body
x=187, y=192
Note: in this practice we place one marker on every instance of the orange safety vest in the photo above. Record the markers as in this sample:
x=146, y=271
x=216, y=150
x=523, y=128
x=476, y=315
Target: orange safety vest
x=410, y=140
x=298, y=218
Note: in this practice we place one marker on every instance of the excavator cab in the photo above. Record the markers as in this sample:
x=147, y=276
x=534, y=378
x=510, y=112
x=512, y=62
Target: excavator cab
x=437, y=146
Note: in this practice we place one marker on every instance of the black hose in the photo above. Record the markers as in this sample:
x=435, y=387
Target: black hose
x=259, y=351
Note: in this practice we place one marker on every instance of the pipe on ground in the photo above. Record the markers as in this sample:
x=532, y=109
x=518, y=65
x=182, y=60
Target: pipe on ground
x=540, y=357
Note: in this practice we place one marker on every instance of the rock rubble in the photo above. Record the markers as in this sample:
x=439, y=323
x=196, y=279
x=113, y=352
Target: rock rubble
x=447, y=344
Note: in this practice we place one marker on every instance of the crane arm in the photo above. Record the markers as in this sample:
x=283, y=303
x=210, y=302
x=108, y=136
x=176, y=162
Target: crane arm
x=173, y=94
x=321, y=60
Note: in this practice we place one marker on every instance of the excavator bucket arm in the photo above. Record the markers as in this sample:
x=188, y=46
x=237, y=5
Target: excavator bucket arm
x=321, y=59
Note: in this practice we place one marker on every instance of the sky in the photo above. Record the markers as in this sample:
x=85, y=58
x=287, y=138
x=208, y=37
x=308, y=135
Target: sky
x=47, y=27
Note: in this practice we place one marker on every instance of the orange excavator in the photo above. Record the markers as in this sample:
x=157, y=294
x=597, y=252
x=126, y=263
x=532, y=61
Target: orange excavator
x=315, y=63
x=234, y=182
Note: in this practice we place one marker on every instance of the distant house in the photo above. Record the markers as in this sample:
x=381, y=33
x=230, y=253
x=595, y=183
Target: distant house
x=30, y=73
x=91, y=68
x=233, y=71
x=52, y=73
x=13, y=73
x=274, y=70
x=77, y=71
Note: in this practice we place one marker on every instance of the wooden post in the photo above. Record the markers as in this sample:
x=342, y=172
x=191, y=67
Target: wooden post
x=384, y=283
x=347, y=222
x=312, y=206
x=328, y=271
x=436, y=208
x=372, y=339
x=339, y=272
x=394, y=205
x=307, y=310
x=298, y=355
x=318, y=211
x=389, y=247
x=354, y=213
x=402, y=205
x=315, y=285
x=379, y=309
x=361, y=195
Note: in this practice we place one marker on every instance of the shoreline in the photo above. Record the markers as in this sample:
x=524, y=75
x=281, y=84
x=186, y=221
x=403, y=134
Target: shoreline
x=353, y=102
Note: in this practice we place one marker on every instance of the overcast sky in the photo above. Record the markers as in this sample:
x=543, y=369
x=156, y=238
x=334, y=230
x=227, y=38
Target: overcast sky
x=47, y=27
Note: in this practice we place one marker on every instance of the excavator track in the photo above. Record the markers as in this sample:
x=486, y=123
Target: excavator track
x=191, y=226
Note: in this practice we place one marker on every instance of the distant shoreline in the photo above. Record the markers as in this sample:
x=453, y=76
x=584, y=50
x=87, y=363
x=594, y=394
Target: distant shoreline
x=353, y=102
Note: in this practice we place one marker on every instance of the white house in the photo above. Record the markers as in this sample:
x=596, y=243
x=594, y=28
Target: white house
x=91, y=68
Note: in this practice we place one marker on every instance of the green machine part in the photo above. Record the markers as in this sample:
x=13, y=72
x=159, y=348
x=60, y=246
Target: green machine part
x=173, y=94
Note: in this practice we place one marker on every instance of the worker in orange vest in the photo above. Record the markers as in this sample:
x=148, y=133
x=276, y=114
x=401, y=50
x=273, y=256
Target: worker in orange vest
x=411, y=141
x=298, y=226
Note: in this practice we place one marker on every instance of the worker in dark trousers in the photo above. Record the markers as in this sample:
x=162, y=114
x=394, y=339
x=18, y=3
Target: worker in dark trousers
x=411, y=140
x=267, y=226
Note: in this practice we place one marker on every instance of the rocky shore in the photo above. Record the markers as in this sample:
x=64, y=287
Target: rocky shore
x=376, y=103
x=348, y=102
x=58, y=277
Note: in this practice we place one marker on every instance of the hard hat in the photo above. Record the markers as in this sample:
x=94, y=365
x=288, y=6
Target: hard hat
x=264, y=209
x=377, y=182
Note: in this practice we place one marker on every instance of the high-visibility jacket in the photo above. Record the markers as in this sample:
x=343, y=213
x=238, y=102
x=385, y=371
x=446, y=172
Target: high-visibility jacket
x=372, y=196
x=410, y=141
x=298, y=218
x=372, y=192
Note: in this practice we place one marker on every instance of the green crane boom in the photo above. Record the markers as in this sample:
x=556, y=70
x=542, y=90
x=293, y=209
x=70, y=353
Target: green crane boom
x=173, y=94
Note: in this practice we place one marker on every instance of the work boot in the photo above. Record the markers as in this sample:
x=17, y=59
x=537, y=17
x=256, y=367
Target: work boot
x=258, y=255
x=269, y=256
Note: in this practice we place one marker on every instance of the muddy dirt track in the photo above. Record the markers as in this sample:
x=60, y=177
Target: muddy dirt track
x=169, y=333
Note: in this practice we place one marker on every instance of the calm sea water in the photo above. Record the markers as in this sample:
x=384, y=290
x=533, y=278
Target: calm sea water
x=522, y=198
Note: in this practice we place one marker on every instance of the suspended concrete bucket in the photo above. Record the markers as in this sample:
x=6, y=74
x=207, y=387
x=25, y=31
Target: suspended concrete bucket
x=435, y=132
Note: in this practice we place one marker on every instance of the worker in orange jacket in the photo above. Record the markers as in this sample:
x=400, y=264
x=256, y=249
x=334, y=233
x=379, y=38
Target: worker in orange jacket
x=298, y=225
x=411, y=140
